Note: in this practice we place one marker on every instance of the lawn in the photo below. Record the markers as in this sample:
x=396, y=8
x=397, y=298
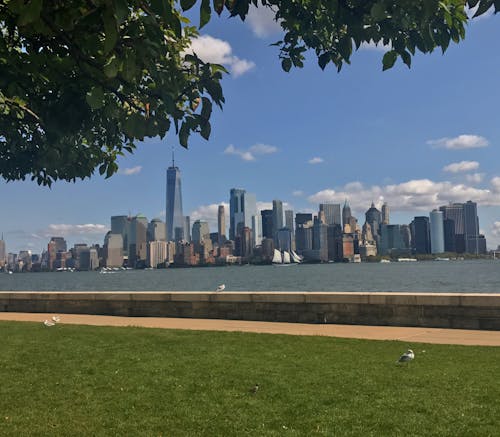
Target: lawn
x=82, y=380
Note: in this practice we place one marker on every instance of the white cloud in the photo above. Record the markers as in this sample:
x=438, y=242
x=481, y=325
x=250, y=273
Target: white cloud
x=413, y=195
x=495, y=229
x=457, y=167
x=262, y=22
x=460, y=142
x=474, y=178
x=251, y=152
x=262, y=149
x=130, y=171
x=297, y=193
x=209, y=213
x=63, y=230
x=218, y=51
x=316, y=160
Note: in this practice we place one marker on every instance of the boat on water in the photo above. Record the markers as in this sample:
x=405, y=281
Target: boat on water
x=384, y=261
x=285, y=258
x=441, y=259
x=405, y=260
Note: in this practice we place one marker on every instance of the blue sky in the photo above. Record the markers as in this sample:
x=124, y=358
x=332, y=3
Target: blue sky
x=416, y=138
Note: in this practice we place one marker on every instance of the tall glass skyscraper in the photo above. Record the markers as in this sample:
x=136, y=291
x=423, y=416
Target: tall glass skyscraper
x=437, y=231
x=175, y=222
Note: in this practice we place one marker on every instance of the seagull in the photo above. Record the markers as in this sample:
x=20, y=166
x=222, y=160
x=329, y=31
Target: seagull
x=56, y=319
x=406, y=357
x=221, y=287
x=254, y=389
x=49, y=323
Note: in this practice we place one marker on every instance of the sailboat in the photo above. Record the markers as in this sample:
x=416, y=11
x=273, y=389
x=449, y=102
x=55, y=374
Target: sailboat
x=285, y=258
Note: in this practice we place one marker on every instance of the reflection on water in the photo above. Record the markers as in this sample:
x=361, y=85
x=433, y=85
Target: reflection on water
x=481, y=276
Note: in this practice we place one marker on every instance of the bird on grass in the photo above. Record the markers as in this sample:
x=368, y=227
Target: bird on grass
x=254, y=389
x=221, y=287
x=49, y=323
x=406, y=357
x=56, y=319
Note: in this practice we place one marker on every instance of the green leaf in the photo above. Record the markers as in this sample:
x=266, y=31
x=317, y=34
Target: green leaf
x=129, y=66
x=187, y=4
x=389, y=59
x=184, y=134
x=218, y=6
x=121, y=10
x=323, y=60
x=111, y=31
x=377, y=12
x=406, y=57
x=95, y=97
x=286, y=64
x=30, y=13
x=206, y=109
x=111, y=67
x=205, y=11
x=206, y=130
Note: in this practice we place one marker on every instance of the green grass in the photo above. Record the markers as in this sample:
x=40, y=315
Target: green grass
x=82, y=380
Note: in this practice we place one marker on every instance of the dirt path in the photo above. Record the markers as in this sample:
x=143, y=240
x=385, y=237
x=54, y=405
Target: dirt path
x=410, y=335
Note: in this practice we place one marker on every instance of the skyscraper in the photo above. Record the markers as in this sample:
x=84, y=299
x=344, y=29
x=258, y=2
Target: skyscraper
x=175, y=222
x=332, y=213
x=236, y=214
x=437, y=231
x=471, y=228
x=277, y=216
x=346, y=214
x=374, y=218
x=221, y=224
x=421, y=235
x=201, y=231
x=385, y=214
x=267, y=223
x=242, y=207
x=2, y=252
x=156, y=230
x=454, y=227
x=289, y=220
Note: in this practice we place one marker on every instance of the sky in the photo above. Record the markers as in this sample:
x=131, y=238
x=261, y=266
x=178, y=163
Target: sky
x=415, y=138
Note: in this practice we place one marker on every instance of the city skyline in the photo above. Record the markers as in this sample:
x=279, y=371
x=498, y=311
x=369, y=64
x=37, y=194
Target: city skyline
x=417, y=139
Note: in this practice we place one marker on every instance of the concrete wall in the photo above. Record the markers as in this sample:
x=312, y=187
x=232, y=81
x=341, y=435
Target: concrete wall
x=450, y=310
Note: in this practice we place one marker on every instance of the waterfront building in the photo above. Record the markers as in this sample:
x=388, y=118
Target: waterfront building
x=156, y=230
x=267, y=223
x=89, y=259
x=332, y=213
x=113, y=250
x=221, y=224
x=385, y=214
x=3, y=253
x=289, y=221
x=277, y=216
x=346, y=214
x=394, y=240
x=471, y=228
x=374, y=218
x=246, y=247
x=185, y=233
x=175, y=221
x=303, y=232
x=334, y=240
x=171, y=247
x=256, y=230
x=320, y=240
x=421, y=235
x=137, y=240
x=156, y=253
x=284, y=239
x=267, y=249
x=120, y=224
x=201, y=231
x=236, y=215
x=437, y=233
x=454, y=227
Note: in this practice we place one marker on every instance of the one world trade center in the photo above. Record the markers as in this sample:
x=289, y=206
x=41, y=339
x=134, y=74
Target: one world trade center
x=174, y=218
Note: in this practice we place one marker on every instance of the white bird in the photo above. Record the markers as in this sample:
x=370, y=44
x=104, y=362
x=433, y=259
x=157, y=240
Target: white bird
x=49, y=323
x=406, y=357
x=56, y=319
x=221, y=287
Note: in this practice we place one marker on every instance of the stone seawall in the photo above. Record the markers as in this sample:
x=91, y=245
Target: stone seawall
x=443, y=310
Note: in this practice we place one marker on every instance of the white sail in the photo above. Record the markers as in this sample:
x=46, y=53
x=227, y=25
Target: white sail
x=286, y=257
x=277, y=257
x=296, y=258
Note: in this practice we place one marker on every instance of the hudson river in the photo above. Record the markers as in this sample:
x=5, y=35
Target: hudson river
x=481, y=276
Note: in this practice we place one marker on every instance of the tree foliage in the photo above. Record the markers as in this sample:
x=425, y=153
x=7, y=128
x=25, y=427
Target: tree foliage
x=81, y=81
